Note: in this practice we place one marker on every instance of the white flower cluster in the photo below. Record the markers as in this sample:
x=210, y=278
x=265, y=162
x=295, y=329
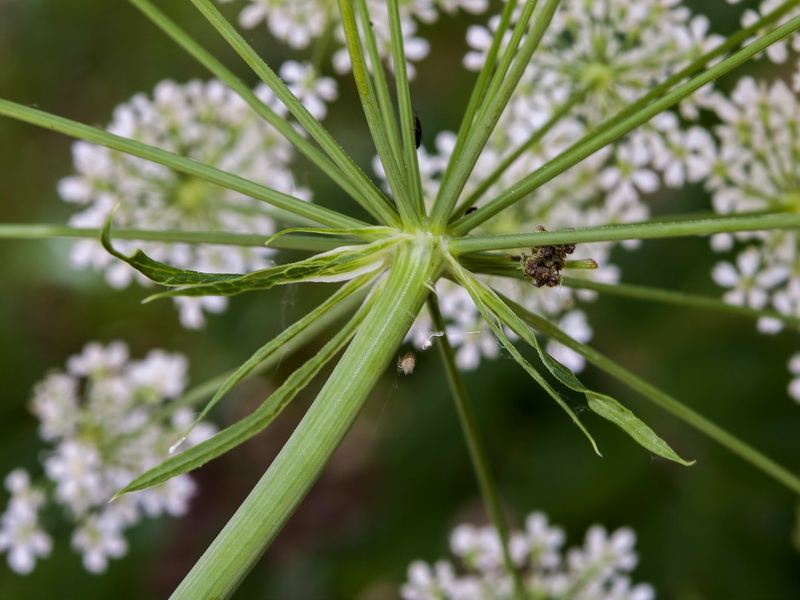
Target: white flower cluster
x=601, y=55
x=597, y=571
x=779, y=51
x=756, y=171
x=206, y=122
x=98, y=419
x=300, y=22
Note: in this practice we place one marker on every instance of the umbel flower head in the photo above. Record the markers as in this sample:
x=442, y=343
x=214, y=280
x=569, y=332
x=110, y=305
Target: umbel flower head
x=210, y=123
x=754, y=171
x=565, y=137
x=299, y=23
x=597, y=571
x=98, y=421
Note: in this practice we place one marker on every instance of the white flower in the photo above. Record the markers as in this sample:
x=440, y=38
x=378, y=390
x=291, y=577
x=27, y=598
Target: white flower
x=206, y=122
x=478, y=548
x=96, y=360
x=794, y=385
x=750, y=282
x=425, y=583
x=160, y=374
x=313, y=91
x=300, y=22
x=20, y=534
x=108, y=437
x=99, y=538
x=575, y=325
x=598, y=571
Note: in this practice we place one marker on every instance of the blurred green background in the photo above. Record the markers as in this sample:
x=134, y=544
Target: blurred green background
x=402, y=478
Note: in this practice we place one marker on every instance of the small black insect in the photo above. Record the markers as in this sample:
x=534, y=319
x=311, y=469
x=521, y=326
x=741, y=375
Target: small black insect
x=417, y=130
x=470, y=210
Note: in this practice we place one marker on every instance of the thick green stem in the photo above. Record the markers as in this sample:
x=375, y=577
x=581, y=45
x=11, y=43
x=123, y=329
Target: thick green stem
x=628, y=231
x=310, y=243
x=477, y=450
x=276, y=496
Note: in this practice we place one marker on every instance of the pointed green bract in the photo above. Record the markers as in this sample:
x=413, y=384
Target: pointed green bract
x=354, y=287
x=613, y=411
x=243, y=430
x=156, y=271
x=473, y=286
x=343, y=263
x=346, y=262
x=611, y=408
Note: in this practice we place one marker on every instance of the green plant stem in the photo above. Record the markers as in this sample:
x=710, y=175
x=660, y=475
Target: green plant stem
x=377, y=107
x=388, y=133
x=628, y=231
x=488, y=116
x=494, y=76
x=584, y=148
x=501, y=266
x=293, y=241
x=475, y=445
x=366, y=195
x=479, y=89
x=259, y=519
x=314, y=212
x=379, y=202
x=532, y=140
x=665, y=401
x=406, y=110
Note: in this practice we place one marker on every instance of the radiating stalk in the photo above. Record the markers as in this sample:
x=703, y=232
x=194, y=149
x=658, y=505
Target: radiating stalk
x=262, y=515
x=406, y=110
x=477, y=450
x=182, y=164
x=296, y=108
x=628, y=231
x=641, y=292
x=487, y=118
x=294, y=241
x=665, y=401
x=582, y=149
x=537, y=136
x=363, y=191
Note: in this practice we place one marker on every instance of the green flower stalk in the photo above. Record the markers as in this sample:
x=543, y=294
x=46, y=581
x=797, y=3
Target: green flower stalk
x=486, y=244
